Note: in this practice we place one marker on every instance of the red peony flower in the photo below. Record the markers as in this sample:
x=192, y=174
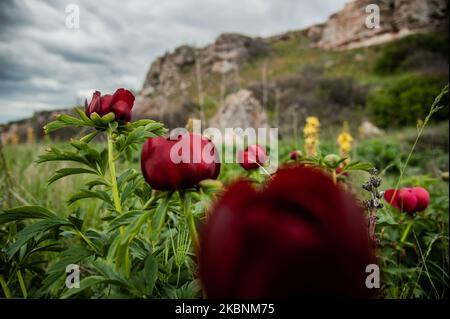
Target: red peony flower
x=252, y=157
x=179, y=164
x=120, y=103
x=295, y=155
x=301, y=236
x=408, y=199
x=423, y=198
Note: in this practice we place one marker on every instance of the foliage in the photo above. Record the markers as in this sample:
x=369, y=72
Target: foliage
x=403, y=101
x=411, y=50
x=134, y=242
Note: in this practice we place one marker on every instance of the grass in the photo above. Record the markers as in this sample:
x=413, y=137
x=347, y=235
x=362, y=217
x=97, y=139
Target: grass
x=414, y=263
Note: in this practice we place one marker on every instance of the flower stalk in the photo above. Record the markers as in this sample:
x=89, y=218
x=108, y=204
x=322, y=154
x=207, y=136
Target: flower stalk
x=112, y=171
x=185, y=205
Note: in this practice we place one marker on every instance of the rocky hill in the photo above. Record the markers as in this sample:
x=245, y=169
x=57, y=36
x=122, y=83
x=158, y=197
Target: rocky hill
x=324, y=69
x=195, y=81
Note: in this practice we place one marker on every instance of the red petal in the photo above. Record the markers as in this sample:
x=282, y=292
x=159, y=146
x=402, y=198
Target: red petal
x=105, y=105
x=124, y=95
x=389, y=197
x=94, y=105
x=423, y=198
x=407, y=200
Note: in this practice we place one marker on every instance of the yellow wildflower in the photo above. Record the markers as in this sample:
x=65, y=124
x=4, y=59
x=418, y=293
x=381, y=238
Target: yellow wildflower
x=30, y=135
x=311, y=134
x=345, y=140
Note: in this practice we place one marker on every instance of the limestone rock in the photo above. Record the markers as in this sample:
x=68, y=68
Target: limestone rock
x=347, y=28
x=240, y=110
x=368, y=130
x=165, y=77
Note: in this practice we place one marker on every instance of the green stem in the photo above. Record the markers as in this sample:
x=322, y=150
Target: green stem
x=185, y=205
x=5, y=287
x=406, y=232
x=112, y=171
x=161, y=212
x=22, y=284
x=89, y=242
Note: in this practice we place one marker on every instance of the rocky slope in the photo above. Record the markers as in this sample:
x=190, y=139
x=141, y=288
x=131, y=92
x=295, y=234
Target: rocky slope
x=171, y=96
x=347, y=28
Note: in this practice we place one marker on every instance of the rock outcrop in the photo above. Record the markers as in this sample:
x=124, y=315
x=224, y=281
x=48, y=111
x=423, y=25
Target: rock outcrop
x=347, y=28
x=240, y=110
x=165, y=86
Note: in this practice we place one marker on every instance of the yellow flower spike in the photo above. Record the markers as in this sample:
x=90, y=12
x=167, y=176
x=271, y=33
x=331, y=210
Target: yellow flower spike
x=311, y=134
x=30, y=135
x=344, y=141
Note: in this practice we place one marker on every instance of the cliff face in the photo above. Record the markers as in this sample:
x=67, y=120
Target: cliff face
x=347, y=28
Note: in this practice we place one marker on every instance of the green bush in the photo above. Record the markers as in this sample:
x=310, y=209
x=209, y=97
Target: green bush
x=407, y=99
x=398, y=55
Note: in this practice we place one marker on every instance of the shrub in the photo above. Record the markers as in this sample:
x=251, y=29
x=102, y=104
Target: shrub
x=407, y=99
x=395, y=55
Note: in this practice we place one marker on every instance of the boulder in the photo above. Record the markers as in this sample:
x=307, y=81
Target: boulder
x=240, y=110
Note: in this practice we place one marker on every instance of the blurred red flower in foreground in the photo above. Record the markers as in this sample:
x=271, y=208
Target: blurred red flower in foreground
x=300, y=236
x=408, y=199
x=120, y=103
x=198, y=158
x=252, y=157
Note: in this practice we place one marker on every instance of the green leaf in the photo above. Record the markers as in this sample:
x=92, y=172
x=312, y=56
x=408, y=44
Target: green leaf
x=55, y=154
x=144, y=280
x=57, y=272
x=107, y=118
x=86, y=139
x=24, y=212
x=139, y=135
x=53, y=126
x=126, y=176
x=97, y=120
x=33, y=230
x=79, y=145
x=150, y=274
x=107, y=270
x=84, y=193
x=76, y=222
x=133, y=228
x=84, y=117
x=124, y=219
x=142, y=122
x=70, y=120
x=84, y=284
x=69, y=171
x=384, y=217
x=103, y=161
x=360, y=166
x=97, y=182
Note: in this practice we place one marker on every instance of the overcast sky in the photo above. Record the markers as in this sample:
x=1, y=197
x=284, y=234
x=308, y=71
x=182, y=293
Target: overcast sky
x=45, y=65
